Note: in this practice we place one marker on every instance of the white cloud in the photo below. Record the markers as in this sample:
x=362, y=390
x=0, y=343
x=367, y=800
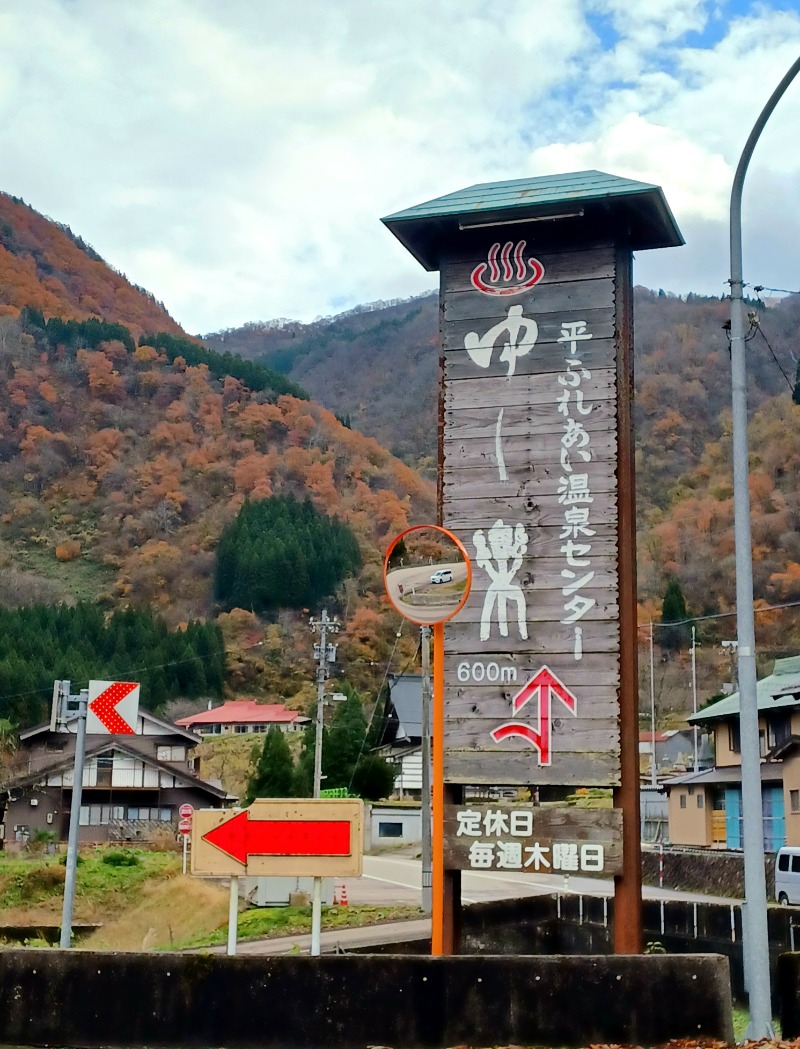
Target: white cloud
x=235, y=158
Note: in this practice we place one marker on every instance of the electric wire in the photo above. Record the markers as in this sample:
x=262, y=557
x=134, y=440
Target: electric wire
x=397, y=637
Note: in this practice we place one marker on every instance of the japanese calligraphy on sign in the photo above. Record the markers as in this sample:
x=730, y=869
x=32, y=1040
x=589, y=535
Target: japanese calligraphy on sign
x=482, y=836
x=529, y=486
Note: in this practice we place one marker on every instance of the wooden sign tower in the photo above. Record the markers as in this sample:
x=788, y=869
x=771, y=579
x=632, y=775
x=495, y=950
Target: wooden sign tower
x=536, y=478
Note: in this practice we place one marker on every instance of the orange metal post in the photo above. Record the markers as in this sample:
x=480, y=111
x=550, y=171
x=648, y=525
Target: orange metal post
x=437, y=838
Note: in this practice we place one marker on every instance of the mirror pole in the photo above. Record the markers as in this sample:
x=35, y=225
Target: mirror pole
x=425, y=812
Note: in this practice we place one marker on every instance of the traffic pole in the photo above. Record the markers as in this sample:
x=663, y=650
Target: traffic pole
x=74, y=814
x=233, y=915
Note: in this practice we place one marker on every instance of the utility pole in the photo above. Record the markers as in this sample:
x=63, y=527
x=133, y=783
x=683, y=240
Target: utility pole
x=425, y=811
x=755, y=933
x=653, y=776
x=325, y=654
x=63, y=706
x=694, y=693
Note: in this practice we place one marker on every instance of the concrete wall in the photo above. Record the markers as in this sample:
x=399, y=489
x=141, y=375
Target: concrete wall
x=91, y=999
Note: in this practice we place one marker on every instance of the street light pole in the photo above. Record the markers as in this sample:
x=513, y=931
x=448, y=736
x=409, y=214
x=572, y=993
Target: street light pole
x=694, y=692
x=756, y=939
x=653, y=776
x=425, y=808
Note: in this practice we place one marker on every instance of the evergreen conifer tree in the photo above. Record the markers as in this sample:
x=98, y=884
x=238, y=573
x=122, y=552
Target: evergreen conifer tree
x=673, y=610
x=273, y=776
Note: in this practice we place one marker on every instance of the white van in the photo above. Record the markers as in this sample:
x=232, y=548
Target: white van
x=787, y=875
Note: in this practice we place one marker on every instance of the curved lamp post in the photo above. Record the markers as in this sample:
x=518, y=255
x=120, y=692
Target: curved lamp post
x=754, y=920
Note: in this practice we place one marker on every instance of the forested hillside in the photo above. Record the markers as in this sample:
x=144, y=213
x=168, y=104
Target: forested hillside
x=127, y=448
x=378, y=367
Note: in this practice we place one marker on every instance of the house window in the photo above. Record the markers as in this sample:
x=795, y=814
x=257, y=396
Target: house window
x=171, y=753
x=779, y=728
x=762, y=742
x=700, y=800
x=734, y=741
x=241, y=728
x=390, y=830
x=94, y=815
x=105, y=766
x=682, y=797
x=794, y=800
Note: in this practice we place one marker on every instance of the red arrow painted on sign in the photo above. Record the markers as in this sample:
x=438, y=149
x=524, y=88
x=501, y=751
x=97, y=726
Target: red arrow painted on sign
x=104, y=707
x=243, y=836
x=547, y=685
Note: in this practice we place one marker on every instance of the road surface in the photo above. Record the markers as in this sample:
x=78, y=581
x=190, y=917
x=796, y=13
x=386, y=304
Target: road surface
x=397, y=879
x=438, y=600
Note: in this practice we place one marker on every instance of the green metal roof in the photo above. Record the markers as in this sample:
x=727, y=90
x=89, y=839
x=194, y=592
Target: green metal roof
x=779, y=690
x=639, y=206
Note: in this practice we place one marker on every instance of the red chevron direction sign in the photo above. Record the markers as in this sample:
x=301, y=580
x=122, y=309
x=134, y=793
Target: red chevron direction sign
x=548, y=686
x=113, y=707
x=309, y=838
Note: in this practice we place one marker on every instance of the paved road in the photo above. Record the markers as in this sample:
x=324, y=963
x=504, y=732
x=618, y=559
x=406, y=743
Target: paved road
x=397, y=879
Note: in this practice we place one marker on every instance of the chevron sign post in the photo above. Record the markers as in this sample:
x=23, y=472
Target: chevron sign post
x=113, y=707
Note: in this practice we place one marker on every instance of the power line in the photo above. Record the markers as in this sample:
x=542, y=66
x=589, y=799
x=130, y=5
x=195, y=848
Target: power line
x=397, y=636
x=726, y=615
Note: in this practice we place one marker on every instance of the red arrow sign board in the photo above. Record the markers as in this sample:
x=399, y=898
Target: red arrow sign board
x=320, y=838
x=113, y=707
x=242, y=837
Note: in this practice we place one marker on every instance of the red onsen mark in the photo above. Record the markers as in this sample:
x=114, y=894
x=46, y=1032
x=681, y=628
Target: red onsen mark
x=490, y=287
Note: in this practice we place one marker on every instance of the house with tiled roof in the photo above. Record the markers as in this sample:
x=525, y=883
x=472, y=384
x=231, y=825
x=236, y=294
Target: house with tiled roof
x=244, y=715
x=705, y=808
x=133, y=785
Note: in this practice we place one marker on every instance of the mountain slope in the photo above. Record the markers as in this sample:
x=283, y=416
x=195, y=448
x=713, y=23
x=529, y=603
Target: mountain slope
x=45, y=265
x=121, y=462
x=379, y=366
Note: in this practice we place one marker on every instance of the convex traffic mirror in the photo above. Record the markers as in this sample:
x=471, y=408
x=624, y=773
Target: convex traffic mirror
x=427, y=574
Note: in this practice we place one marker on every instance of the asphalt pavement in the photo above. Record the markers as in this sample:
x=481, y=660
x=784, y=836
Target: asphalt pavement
x=396, y=878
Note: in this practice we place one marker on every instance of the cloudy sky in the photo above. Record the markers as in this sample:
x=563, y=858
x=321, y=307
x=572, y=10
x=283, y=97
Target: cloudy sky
x=235, y=156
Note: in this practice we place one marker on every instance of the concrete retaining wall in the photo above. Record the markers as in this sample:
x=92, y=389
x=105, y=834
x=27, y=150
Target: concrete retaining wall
x=83, y=998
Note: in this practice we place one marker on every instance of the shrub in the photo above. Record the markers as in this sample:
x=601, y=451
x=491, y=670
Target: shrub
x=120, y=858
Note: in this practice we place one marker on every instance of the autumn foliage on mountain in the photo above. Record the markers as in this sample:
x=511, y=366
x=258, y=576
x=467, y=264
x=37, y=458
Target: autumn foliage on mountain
x=376, y=362
x=127, y=448
x=122, y=462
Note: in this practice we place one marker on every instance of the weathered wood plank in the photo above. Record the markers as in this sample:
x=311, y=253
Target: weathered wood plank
x=542, y=447
x=533, y=830
x=579, y=295
x=593, y=671
x=528, y=421
x=545, y=640
x=543, y=542
x=542, y=359
x=558, y=267
x=527, y=390
x=600, y=324
x=476, y=702
x=473, y=481
x=569, y=734
x=542, y=512
x=578, y=770
x=546, y=575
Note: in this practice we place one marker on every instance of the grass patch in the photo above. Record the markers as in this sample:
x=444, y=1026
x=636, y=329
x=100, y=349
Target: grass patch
x=101, y=887
x=258, y=923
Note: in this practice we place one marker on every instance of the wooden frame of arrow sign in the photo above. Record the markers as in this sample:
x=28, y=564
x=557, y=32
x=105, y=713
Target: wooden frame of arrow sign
x=273, y=837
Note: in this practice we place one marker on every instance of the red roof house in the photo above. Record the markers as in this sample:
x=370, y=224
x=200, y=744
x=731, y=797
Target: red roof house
x=244, y=715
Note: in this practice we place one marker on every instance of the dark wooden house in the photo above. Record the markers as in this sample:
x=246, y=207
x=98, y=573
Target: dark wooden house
x=133, y=785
